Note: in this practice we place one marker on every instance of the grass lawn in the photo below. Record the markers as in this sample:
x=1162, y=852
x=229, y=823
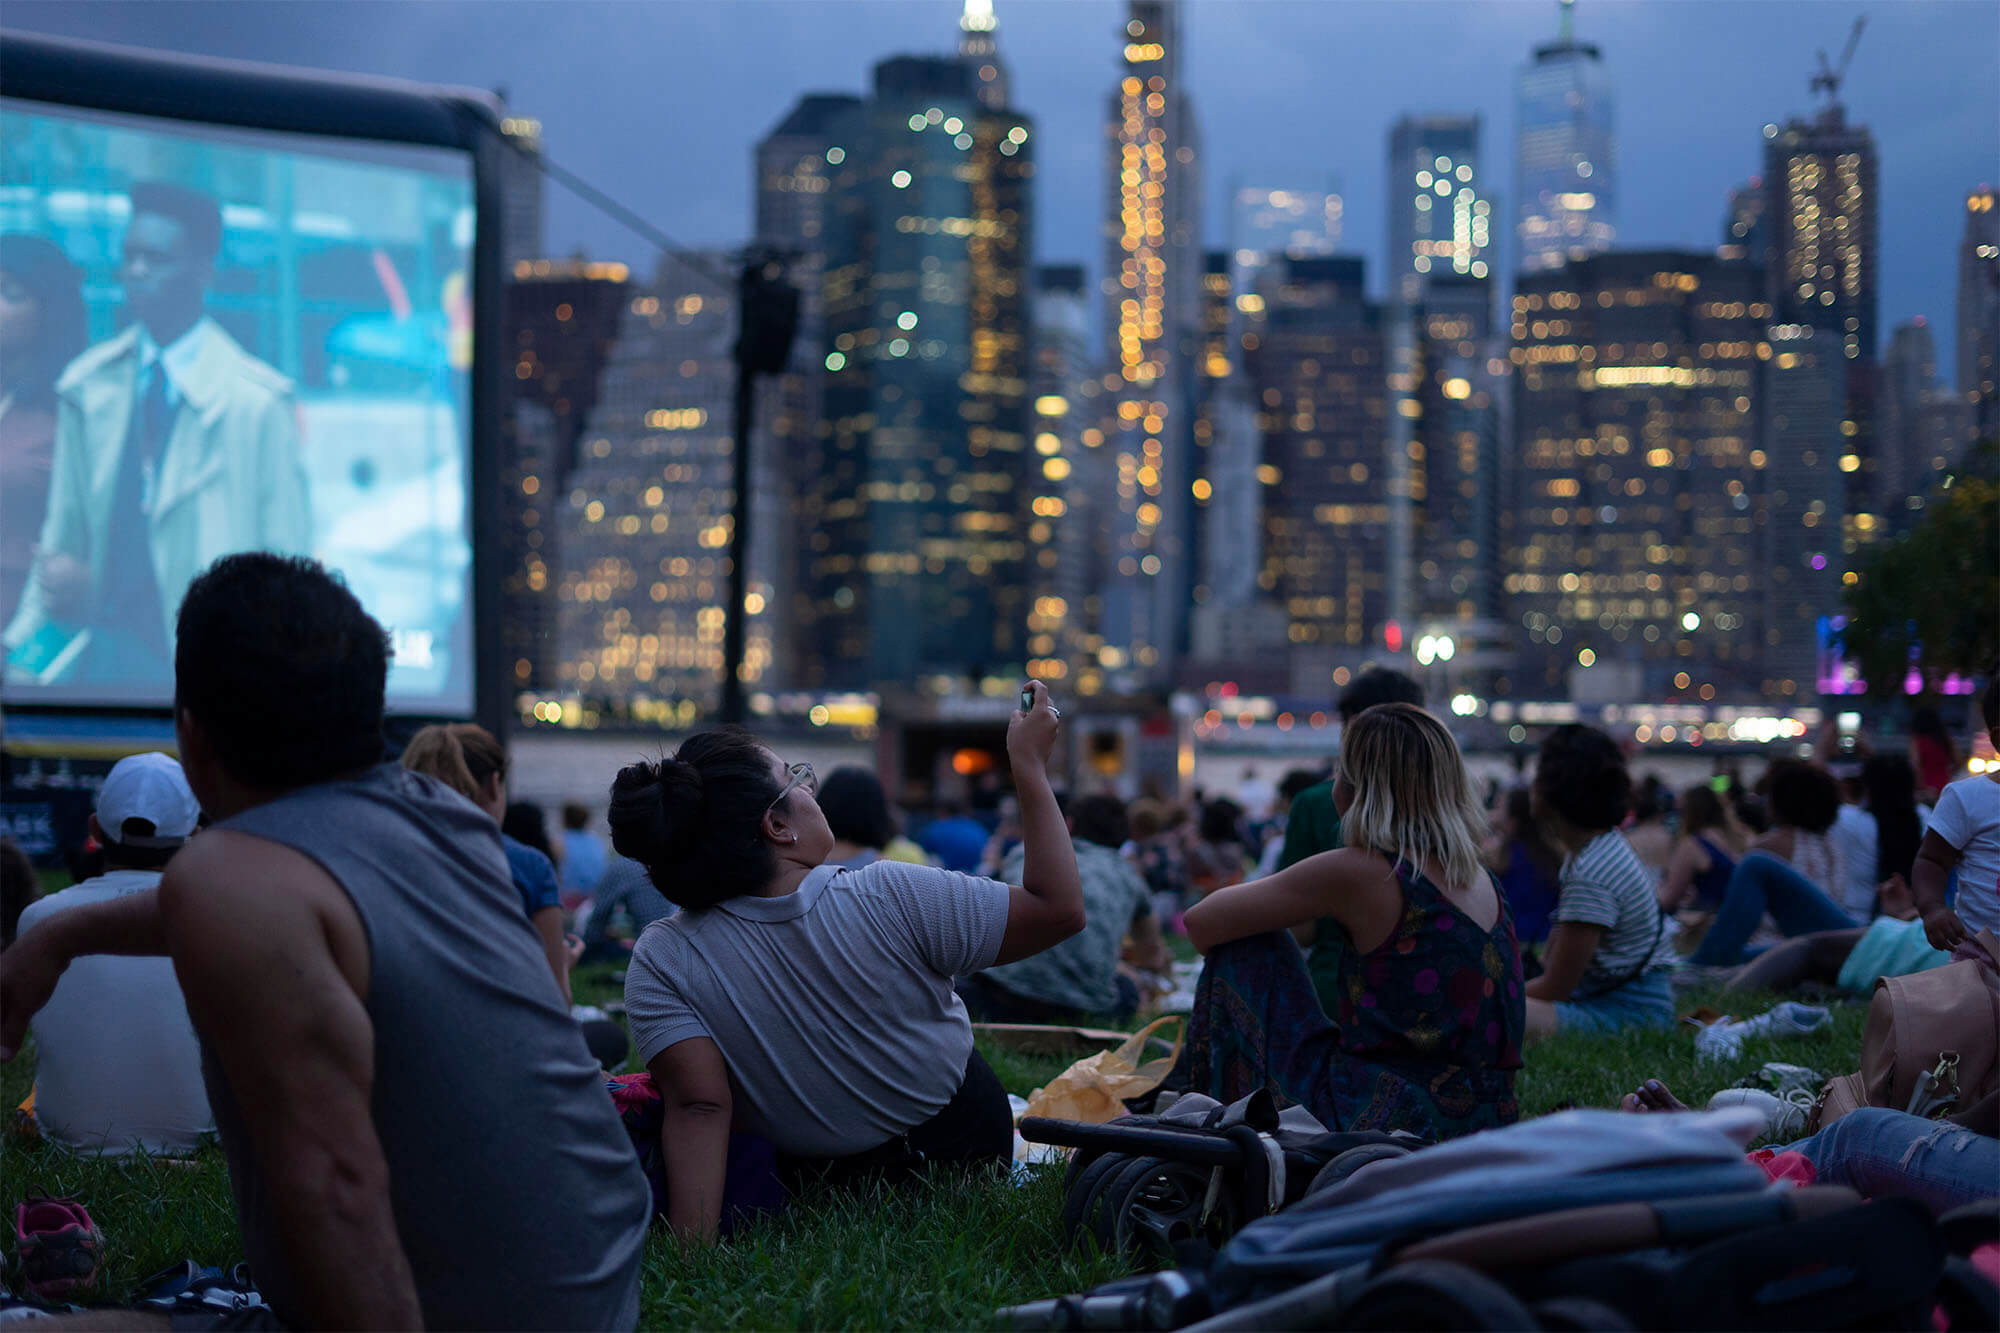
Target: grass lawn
x=932, y=1257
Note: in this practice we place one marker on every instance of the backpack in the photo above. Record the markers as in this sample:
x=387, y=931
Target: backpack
x=1931, y=1044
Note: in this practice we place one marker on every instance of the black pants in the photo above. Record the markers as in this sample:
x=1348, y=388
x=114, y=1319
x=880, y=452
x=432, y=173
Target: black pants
x=987, y=1001
x=975, y=1129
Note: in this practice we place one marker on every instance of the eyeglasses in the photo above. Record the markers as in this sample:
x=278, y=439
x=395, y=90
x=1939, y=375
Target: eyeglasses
x=801, y=775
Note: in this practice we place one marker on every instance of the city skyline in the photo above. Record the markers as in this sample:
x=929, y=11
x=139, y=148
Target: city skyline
x=1695, y=84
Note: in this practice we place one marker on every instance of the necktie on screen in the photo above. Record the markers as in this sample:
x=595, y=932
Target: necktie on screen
x=154, y=423
x=129, y=614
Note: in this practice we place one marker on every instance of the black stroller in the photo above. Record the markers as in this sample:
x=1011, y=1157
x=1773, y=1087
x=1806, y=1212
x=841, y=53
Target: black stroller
x=1676, y=1232
x=1149, y=1187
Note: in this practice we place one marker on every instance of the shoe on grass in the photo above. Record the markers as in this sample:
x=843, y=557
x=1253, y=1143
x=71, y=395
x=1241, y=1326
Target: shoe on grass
x=59, y=1248
x=1784, y=1120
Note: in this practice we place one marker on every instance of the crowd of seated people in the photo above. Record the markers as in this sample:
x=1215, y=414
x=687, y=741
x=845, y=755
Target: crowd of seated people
x=360, y=943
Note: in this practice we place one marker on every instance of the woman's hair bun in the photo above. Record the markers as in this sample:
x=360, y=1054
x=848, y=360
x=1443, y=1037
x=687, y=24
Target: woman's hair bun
x=655, y=810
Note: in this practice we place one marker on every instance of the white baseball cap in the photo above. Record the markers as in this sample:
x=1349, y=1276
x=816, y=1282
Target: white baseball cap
x=149, y=787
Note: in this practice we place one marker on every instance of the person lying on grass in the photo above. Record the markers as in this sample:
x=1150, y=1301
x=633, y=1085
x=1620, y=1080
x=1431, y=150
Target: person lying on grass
x=1883, y=1154
x=1427, y=1028
x=810, y=1004
x=416, y=1133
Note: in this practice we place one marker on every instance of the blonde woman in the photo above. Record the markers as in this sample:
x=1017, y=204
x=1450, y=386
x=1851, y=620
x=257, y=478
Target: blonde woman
x=1429, y=1022
x=467, y=759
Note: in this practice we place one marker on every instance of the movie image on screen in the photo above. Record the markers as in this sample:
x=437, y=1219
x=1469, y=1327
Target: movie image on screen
x=220, y=340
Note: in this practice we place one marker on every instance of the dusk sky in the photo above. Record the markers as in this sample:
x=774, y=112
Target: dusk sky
x=660, y=103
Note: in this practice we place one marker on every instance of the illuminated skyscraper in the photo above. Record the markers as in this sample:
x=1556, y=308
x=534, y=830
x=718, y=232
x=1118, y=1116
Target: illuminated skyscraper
x=1743, y=224
x=1656, y=511
x=794, y=179
x=521, y=191
x=1267, y=225
x=1902, y=455
x=913, y=567
x=1454, y=469
x=1801, y=506
x=1566, y=158
x=647, y=514
x=562, y=321
x=1067, y=486
x=1153, y=296
x=1319, y=369
x=1440, y=203
x=1979, y=310
x=979, y=48
x=1229, y=500
x=1819, y=222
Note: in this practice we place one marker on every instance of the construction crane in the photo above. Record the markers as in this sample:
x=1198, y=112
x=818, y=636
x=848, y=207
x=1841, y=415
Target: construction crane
x=1829, y=78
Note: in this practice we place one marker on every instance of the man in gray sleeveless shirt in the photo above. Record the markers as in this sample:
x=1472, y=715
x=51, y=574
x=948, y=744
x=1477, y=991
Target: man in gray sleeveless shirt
x=416, y=1132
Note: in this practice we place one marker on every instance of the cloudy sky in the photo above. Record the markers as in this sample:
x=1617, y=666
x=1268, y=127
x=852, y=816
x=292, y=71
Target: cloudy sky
x=660, y=102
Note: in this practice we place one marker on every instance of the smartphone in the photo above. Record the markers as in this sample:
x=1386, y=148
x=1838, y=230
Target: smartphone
x=1027, y=698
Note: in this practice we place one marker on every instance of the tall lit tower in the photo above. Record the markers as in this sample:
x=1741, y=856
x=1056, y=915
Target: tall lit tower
x=913, y=564
x=979, y=48
x=1440, y=203
x=1565, y=158
x=1979, y=309
x=1152, y=285
x=521, y=194
x=1821, y=202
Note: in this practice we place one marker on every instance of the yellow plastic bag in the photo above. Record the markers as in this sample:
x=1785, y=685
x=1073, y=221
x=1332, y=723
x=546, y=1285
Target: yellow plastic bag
x=1094, y=1089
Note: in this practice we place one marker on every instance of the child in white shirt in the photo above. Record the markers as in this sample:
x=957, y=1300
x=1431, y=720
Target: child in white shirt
x=1965, y=834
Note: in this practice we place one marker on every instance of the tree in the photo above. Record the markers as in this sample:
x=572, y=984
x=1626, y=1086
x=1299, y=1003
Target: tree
x=1930, y=599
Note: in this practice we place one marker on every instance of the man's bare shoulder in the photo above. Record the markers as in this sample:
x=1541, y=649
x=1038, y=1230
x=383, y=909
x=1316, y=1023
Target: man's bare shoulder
x=226, y=859
x=226, y=885
x=247, y=878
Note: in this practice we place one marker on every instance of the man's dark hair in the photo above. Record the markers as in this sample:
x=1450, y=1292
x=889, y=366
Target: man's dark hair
x=1581, y=775
x=1649, y=800
x=1100, y=819
x=1803, y=795
x=575, y=818
x=1296, y=781
x=525, y=823
x=1221, y=821
x=695, y=821
x=122, y=855
x=1891, y=785
x=282, y=668
x=197, y=213
x=1989, y=708
x=1379, y=685
x=856, y=808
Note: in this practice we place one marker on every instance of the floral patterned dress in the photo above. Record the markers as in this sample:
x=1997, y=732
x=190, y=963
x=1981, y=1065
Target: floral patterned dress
x=1426, y=1036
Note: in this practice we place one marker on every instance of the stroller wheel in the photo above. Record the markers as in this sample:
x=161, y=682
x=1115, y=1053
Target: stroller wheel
x=1080, y=1203
x=1346, y=1164
x=1155, y=1205
x=1079, y=1159
x=1431, y=1294
x=1576, y=1314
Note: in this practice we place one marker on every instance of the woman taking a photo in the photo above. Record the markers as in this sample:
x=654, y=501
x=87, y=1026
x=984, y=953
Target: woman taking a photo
x=811, y=1004
x=1428, y=1024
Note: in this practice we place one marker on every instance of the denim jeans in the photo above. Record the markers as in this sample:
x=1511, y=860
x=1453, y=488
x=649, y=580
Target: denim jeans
x=1891, y=1154
x=1762, y=883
